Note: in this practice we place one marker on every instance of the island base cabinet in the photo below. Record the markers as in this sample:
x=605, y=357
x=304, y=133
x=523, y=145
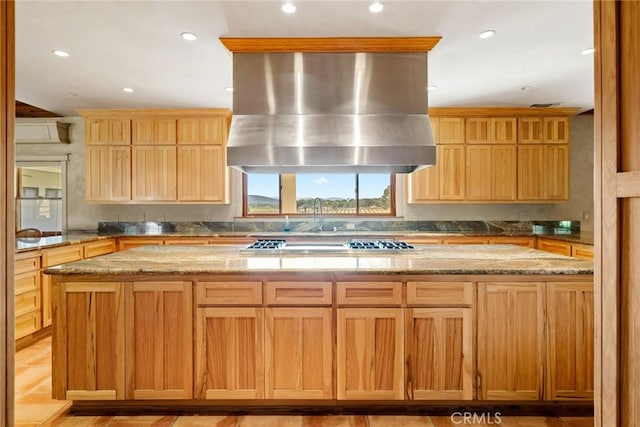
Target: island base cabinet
x=229, y=353
x=370, y=359
x=298, y=353
x=439, y=348
x=510, y=340
x=88, y=341
x=570, y=348
x=159, y=340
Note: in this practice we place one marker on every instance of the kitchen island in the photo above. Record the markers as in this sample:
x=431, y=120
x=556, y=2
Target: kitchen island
x=219, y=326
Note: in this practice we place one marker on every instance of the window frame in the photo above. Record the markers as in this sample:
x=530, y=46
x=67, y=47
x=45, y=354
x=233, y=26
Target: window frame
x=391, y=214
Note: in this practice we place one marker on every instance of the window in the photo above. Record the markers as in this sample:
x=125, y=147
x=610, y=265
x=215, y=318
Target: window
x=40, y=197
x=341, y=194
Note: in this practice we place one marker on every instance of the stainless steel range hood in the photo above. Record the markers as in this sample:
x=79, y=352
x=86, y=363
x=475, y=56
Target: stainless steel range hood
x=330, y=112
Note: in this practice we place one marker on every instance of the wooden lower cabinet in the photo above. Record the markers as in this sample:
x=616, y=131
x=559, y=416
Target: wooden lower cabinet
x=229, y=353
x=439, y=353
x=570, y=345
x=47, y=296
x=299, y=353
x=159, y=340
x=88, y=341
x=370, y=354
x=510, y=340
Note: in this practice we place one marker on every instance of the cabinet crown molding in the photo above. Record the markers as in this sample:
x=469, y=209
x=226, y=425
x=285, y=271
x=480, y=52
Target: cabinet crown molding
x=502, y=111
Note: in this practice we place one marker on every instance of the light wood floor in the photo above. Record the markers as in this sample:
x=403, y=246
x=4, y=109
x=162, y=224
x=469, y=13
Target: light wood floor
x=34, y=407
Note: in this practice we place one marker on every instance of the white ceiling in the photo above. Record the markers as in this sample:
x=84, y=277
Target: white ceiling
x=116, y=44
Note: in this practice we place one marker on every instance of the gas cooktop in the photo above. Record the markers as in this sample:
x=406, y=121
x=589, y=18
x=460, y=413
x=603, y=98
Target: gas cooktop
x=282, y=246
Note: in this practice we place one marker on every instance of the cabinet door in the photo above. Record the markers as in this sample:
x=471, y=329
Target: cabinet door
x=370, y=354
x=452, y=171
x=503, y=130
x=556, y=130
x=159, y=340
x=503, y=172
x=229, y=353
x=165, y=131
x=119, y=173
x=88, y=351
x=510, y=340
x=189, y=173
x=439, y=353
x=570, y=342
x=556, y=158
x=479, y=172
x=96, y=131
x=165, y=167
x=298, y=353
x=188, y=131
x=119, y=131
x=451, y=130
x=478, y=130
x=143, y=173
x=531, y=172
x=142, y=132
x=530, y=130
x=425, y=185
x=97, y=173
x=213, y=173
x=212, y=131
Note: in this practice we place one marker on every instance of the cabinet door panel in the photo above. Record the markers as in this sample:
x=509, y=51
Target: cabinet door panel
x=189, y=173
x=188, y=131
x=229, y=353
x=298, y=355
x=143, y=173
x=425, y=185
x=510, y=340
x=120, y=173
x=165, y=131
x=503, y=130
x=97, y=173
x=165, y=167
x=212, y=173
x=479, y=172
x=370, y=353
x=556, y=130
x=90, y=320
x=557, y=172
x=96, y=131
x=439, y=353
x=530, y=130
x=119, y=131
x=142, y=132
x=531, y=172
x=570, y=362
x=478, y=130
x=503, y=169
x=211, y=131
x=451, y=130
x=452, y=172
x=159, y=340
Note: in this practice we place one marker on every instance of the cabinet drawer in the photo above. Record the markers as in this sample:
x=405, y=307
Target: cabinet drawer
x=25, y=265
x=124, y=244
x=298, y=293
x=27, y=302
x=366, y=293
x=27, y=324
x=100, y=247
x=229, y=293
x=27, y=282
x=582, y=251
x=62, y=255
x=439, y=293
x=554, y=246
x=527, y=242
x=466, y=240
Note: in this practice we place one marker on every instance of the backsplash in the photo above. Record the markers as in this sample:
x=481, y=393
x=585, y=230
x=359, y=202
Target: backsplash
x=502, y=227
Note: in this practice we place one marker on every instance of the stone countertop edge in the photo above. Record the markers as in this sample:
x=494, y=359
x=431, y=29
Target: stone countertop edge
x=428, y=259
x=54, y=241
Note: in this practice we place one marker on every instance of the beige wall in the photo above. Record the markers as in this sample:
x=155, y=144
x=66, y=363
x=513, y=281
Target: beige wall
x=86, y=216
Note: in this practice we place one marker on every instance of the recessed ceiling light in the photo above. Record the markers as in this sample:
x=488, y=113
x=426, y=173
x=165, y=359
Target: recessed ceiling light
x=72, y=94
x=376, y=7
x=588, y=51
x=487, y=34
x=60, y=53
x=228, y=89
x=288, y=8
x=525, y=88
x=432, y=87
x=127, y=89
x=189, y=36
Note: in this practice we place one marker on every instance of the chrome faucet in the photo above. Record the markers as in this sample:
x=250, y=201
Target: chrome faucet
x=318, y=201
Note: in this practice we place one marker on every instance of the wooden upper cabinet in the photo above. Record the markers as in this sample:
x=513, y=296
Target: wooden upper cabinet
x=478, y=130
x=510, y=340
x=196, y=131
x=159, y=340
x=556, y=160
x=504, y=130
x=531, y=172
x=451, y=160
x=503, y=172
x=491, y=172
x=142, y=132
x=119, y=131
x=530, y=130
x=202, y=173
x=154, y=173
x=108, y=173
x=153, y=132
x=165, y=131
x=103, y=131
x=570, y=346
x=424, y=185
x=556, y=130
x=451, y=130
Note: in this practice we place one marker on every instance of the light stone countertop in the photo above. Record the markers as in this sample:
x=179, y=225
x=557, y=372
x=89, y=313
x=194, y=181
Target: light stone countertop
x=427, y=259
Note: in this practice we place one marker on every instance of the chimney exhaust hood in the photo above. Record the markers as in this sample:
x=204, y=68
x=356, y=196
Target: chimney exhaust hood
x=339, y=111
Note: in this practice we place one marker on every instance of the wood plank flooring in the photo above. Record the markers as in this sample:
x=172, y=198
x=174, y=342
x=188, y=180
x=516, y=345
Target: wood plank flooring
x=35, y=408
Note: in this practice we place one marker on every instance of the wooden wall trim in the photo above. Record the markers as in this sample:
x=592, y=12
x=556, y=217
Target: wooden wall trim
x=329, y=44
x=606, y=268
x=7, y=227
x=501, y=111
x=628, y=184
x=155, y=112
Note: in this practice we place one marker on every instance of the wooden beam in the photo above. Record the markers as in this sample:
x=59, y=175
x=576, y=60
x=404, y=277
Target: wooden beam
x=329, y=44
x=25, y=110
x=7, y=226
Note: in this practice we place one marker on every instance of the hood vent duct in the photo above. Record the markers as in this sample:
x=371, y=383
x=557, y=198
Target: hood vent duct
x=341, y=112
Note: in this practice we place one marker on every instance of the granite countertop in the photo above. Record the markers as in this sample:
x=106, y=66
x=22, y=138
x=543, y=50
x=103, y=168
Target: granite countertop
x=31, y=243
x=428, y=259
